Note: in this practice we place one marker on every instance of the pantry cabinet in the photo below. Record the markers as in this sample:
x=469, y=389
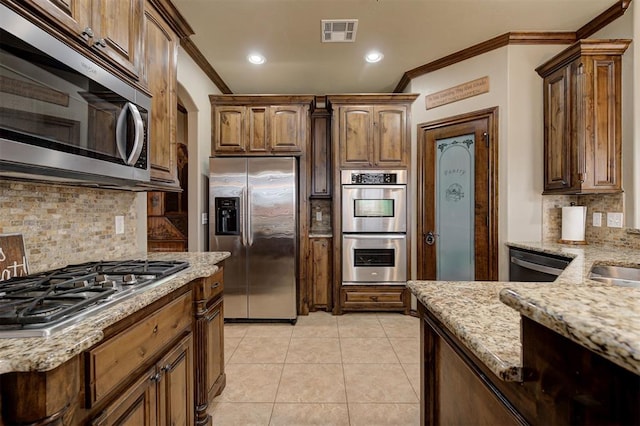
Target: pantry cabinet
x=372, y=131
x=259, y=125
x=320, y=267
x=582, y=118
x=110, y=30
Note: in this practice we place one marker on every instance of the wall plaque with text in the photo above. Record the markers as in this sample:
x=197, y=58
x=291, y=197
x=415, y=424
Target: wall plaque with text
x=457, y=93
x=13, y=260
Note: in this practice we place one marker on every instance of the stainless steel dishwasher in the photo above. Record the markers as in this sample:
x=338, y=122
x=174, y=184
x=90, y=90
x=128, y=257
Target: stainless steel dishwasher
x=531, y=266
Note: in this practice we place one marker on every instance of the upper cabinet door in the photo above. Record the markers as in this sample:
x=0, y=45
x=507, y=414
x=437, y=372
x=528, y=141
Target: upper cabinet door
x=287, y=127
x=111, y=29
x=390, y=136
x=72, y=16
x=160, y=66
x=228, y=128
x=355, y=136
x=117, y=24
x=557, y=149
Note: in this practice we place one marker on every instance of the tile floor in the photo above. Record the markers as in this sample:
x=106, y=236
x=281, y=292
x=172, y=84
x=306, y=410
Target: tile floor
x=353, y=369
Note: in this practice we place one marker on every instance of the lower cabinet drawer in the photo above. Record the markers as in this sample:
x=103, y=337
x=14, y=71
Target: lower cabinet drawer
x=112, y=362
x=210, y=287
x=383, y=298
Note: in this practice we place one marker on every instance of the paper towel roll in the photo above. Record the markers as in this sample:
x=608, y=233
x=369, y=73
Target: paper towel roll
x=573, y=221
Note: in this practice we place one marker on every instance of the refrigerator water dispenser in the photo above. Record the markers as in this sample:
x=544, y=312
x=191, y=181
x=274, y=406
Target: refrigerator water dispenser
x=227, y=215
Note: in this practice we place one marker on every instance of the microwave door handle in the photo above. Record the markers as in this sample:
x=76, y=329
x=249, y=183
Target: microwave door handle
x=139, y=135
x=121, y=134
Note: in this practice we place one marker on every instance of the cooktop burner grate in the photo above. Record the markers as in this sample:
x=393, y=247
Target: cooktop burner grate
x=40, y=300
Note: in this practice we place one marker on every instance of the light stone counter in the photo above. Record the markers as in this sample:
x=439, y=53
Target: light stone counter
x=485, y=316
x=47, y=353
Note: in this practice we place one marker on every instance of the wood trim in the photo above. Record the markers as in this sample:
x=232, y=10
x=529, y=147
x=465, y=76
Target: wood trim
x=253, y=100
x=371, y=98
x=521, y=38
x=583, y=48
x=200, y=60
x=604, y=19
x=173, y=17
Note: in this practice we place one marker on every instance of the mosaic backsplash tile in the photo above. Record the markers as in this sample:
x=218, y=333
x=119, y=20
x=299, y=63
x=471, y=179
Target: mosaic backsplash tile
x=62, y=225
x=614, y=237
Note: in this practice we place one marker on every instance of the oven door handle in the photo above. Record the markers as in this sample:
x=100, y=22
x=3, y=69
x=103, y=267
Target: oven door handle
x=536, y=267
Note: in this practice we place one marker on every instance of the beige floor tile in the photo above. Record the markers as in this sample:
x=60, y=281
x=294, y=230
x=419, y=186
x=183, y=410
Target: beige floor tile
x=413, y=372
x=235, y=330
x=367, y=350
x=230, y=346
x=314, y=351
x=241, y=413
x=384, y=414
x=251, y=383
x=330, y=330
x=407, y=349
x=309, y=414
x=398, y=325
x=312, y=383
x=377, y=383
x=360, y=325
x=269, y=330
x=261, y=350
x=316, y=318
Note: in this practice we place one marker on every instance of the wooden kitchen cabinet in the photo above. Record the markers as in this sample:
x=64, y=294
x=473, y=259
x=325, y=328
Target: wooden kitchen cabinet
x=110, y=30
x=372, y=131
x=163, y=395
x=209, y=342
x=160, y=66
x=582, y=118
x=320, y=150
x=259, y=125
x=321, y=272
x=374, y=298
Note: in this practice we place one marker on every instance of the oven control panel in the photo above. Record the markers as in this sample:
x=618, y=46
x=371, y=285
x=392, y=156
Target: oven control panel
x=382, y=177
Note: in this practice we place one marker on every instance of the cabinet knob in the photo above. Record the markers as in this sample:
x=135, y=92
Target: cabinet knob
x=215, y=285
x=155, y=377
x=87, y=33
x=100, y=43
x=155, y=329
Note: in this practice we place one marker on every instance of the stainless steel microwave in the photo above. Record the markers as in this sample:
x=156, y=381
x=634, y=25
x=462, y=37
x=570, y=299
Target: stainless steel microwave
x=65, y=118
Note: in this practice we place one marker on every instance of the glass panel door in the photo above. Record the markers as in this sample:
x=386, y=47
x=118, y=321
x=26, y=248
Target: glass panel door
x=455, y=208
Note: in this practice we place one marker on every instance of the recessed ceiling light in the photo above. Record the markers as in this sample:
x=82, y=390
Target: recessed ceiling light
x=373, y=56
x=256, y=58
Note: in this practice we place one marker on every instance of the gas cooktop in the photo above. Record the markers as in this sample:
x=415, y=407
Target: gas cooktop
x=41, y=304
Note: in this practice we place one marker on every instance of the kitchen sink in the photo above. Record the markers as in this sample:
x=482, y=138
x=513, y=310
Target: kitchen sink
x=618, y=275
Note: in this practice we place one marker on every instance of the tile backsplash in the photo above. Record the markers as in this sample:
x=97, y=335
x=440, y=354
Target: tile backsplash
x=63, y=225
x=614, y=237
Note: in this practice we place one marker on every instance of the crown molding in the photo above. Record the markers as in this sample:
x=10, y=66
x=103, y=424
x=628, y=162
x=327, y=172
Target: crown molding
x=195, y=53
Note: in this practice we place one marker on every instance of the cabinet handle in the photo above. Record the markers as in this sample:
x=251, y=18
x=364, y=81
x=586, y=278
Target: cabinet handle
x=155, y=377
x=87, y=33
x=167, y=368
x=215, y=285
x=155, y=329
x=100, y=43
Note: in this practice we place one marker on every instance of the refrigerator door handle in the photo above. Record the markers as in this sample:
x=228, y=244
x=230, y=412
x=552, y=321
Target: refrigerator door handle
x=243, y=225
x=249, y=230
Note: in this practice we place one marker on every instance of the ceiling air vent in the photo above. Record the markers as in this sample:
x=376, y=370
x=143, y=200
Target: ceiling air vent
x=339, y=30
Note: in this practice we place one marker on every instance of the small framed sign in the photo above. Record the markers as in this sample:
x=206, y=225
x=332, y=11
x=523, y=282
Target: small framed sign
x=13, y=260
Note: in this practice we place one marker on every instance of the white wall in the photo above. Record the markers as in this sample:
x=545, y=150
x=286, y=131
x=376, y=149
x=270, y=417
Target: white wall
x=516, y=89
x=194, y=88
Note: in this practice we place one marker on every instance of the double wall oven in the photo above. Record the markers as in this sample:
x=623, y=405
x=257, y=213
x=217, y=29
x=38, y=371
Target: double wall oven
x=374, y=227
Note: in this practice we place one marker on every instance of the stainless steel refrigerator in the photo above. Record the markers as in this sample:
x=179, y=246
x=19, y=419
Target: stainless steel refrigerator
x=253, y=214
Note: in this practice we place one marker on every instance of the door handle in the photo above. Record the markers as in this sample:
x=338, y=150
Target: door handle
x=430, y=238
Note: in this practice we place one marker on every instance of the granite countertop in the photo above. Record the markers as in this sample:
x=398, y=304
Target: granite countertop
x=47, y=353
x=485, y=316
